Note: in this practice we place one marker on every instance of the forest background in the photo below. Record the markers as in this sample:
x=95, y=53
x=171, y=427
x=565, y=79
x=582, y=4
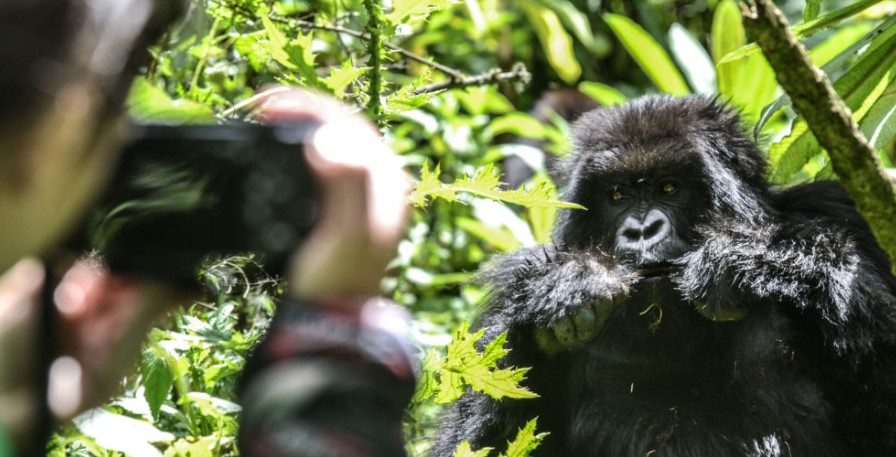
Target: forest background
x=451, y=84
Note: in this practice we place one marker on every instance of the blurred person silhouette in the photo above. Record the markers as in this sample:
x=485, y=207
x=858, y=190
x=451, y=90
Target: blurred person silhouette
x=333, y=375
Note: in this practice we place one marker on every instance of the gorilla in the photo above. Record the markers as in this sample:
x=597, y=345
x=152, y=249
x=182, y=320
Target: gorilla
x=693, y=309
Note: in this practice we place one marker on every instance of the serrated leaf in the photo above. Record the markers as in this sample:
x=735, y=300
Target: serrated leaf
x=485, y=184
x=464, y=450
x=604, y=94
x=463, y=364
x=648, y=54
x=157, y=379
x=342, y=77
x=149, y=103
x=526, y=441
x=277, y=44
x=427, y=382
x=555, y=41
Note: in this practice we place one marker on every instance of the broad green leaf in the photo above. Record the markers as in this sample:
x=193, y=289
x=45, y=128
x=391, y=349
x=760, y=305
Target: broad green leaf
x=342, y=77
x=692, y=59
x=129, y=436
x=727, y=35
x=277, y=44
x=501, y=239
x=556, y=43
x=604, y=94
x=838, y=42
x=526, y=441
x=809, y=28
x=860, y=87
x=649, y=55
x=301, y=55
x=519, y=124
x=574, y=20
x=464, y=450
x=149, y=103
x=485, y=183
x=157, y=379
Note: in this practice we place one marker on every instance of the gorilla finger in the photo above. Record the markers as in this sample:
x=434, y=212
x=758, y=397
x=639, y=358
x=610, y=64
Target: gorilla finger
x=585, y=322
x=565, y=332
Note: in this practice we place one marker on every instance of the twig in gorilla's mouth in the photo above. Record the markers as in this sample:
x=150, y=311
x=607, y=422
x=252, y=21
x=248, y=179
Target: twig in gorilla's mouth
x=659, y=269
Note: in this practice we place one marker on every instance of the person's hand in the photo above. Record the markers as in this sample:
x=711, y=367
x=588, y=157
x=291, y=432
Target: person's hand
x=102, y=321
x=363, y=198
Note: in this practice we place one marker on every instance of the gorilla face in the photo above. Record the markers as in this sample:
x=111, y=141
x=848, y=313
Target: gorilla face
x=645, y=216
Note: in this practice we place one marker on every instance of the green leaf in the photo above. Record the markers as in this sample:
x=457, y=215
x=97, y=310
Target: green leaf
x=649, y=55
x=519, y=124
x=342, y=77
x=860, y=87
x=149, y=103
x=525, y=442
x=485, y=184
x=502, y=240
x=556, y=43
x=428, y=381
x=277, y=44
x=157, y=379
x=414, y=9
x=463, y=450
x=692, y=59
x=604, y=94
x=574, y=20
x=809, y=28
x=541, y=220
x=810, y=12
x=727, y=35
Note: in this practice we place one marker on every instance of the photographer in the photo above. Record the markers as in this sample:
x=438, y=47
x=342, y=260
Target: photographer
x=60, y=130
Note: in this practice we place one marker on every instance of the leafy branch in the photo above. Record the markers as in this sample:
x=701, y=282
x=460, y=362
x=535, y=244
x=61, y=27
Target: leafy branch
x=522, y=445
x=463, y=365
x=852, y=157
x=518, y=73
x=485, y=183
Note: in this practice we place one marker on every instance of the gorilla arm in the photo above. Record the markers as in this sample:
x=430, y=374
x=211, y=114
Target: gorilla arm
x=560, y=298
x=815, y=254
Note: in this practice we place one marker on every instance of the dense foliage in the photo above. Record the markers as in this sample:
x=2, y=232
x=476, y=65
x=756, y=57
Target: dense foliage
x=449, y=83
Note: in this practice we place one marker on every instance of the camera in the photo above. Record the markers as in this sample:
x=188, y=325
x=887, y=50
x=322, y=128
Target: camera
x=183, y=194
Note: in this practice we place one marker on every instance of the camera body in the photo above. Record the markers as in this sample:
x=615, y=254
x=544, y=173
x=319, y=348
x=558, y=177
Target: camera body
x=182, y=194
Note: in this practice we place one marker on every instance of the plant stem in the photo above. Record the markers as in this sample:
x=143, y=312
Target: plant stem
x=374, y=29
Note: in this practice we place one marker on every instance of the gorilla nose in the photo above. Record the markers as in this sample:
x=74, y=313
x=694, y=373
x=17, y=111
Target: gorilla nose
x=639, y=233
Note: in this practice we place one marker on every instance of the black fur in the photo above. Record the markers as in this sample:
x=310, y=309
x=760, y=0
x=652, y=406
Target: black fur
x=774, y=337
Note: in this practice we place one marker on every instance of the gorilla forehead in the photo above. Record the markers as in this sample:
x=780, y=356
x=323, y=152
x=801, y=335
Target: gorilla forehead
x=652, y=121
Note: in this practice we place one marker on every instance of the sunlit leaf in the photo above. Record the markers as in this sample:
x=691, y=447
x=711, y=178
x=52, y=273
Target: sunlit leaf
x=526, y=441
x=485, y=183
x=463, y=450
x=151, y=104
x=692, y=59
x=649, y=55
x=556, y=42
x=604, y=94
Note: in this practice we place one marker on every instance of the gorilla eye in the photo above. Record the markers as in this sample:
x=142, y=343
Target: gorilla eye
x=616, y=196
x=669, y=188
